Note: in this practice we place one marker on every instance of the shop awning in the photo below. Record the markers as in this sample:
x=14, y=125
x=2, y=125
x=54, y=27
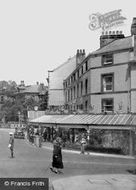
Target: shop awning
x=119, y=121
x=47, y=119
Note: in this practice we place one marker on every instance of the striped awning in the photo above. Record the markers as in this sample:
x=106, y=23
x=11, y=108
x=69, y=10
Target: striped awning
x=83, y=120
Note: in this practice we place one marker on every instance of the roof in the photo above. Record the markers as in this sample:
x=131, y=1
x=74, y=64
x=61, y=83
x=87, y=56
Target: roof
x=88, y=119
x=34, y=89
x=66, y=62
x=124, y=43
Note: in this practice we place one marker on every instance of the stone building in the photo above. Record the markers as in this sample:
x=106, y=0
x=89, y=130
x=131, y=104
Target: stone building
x=104, y=81
x=55, y=83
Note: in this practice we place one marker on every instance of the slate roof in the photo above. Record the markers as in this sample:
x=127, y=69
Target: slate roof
x=124, y=43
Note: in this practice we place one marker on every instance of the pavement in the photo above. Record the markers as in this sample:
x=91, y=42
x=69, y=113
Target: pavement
x=94, y=182
x=49, y=146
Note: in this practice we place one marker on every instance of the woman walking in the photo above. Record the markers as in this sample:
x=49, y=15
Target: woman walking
x=57, y=163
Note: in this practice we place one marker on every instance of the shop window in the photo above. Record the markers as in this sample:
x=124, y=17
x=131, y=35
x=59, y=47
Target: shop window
x=107, y=59
x=107, y=105
x=107, y=83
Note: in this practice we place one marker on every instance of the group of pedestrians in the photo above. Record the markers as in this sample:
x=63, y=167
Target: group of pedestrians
x=57, y=163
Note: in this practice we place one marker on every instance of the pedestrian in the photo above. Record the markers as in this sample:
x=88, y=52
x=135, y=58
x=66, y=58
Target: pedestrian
x=57, y=163
x=83, y=143
x=11, y=144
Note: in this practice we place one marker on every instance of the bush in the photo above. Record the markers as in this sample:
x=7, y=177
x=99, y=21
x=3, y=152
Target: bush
x=90, y=148
x=104, y=150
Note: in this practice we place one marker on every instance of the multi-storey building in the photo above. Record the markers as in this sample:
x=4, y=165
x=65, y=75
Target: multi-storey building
x=55, y=83
x=105, y=80
x=76, y=86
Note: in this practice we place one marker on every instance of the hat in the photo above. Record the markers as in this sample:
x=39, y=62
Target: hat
x=58, y=139
x=10, y=133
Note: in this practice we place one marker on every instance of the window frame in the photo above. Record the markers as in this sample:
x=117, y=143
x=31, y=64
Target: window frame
x=86, y=66
x=102, y=86
x=102, y=107
x=86, y=86
x=105, y=63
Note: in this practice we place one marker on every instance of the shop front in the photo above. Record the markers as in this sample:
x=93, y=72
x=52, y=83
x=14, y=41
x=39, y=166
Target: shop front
x=102, y=133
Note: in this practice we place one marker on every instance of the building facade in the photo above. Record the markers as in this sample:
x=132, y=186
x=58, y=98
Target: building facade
x=104, y=81
x=55, y=83
x=76, y=86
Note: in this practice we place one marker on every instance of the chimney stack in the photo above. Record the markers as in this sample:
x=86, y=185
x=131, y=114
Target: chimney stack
x=22, y=83
x=80, y=56
x=110, y=36
x=133, y=34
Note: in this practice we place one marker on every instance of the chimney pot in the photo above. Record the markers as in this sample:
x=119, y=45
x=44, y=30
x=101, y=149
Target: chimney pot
x=106, y=32
x=77, y=51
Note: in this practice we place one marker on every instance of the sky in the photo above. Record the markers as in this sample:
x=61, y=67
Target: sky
x=39, y=35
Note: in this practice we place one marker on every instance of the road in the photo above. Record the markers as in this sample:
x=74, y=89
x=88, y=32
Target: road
x=31, y=161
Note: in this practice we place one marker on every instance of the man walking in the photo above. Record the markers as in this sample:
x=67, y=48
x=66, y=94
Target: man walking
x=11, y=144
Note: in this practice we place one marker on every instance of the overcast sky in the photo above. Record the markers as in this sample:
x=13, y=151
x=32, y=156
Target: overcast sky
x=39, y=35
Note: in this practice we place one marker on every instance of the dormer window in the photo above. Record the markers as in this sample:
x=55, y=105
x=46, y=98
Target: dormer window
x=107, y=59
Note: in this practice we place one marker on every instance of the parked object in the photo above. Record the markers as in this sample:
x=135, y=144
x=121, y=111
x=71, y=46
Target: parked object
x=19, y=134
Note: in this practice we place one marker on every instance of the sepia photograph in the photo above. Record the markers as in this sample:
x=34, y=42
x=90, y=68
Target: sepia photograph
x=67, y=95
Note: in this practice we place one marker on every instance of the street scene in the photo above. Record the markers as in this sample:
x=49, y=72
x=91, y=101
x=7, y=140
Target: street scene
x=31, y=161
x=68, y=95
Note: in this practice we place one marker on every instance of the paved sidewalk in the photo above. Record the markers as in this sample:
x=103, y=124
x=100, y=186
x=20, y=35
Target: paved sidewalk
x=96, y=182
x=49, y=146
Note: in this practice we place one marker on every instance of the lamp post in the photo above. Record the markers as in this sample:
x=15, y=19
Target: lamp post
x=48, y=80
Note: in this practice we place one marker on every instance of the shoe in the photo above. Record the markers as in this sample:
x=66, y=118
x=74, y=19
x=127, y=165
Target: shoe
x=60, y=172
x=51, y=169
